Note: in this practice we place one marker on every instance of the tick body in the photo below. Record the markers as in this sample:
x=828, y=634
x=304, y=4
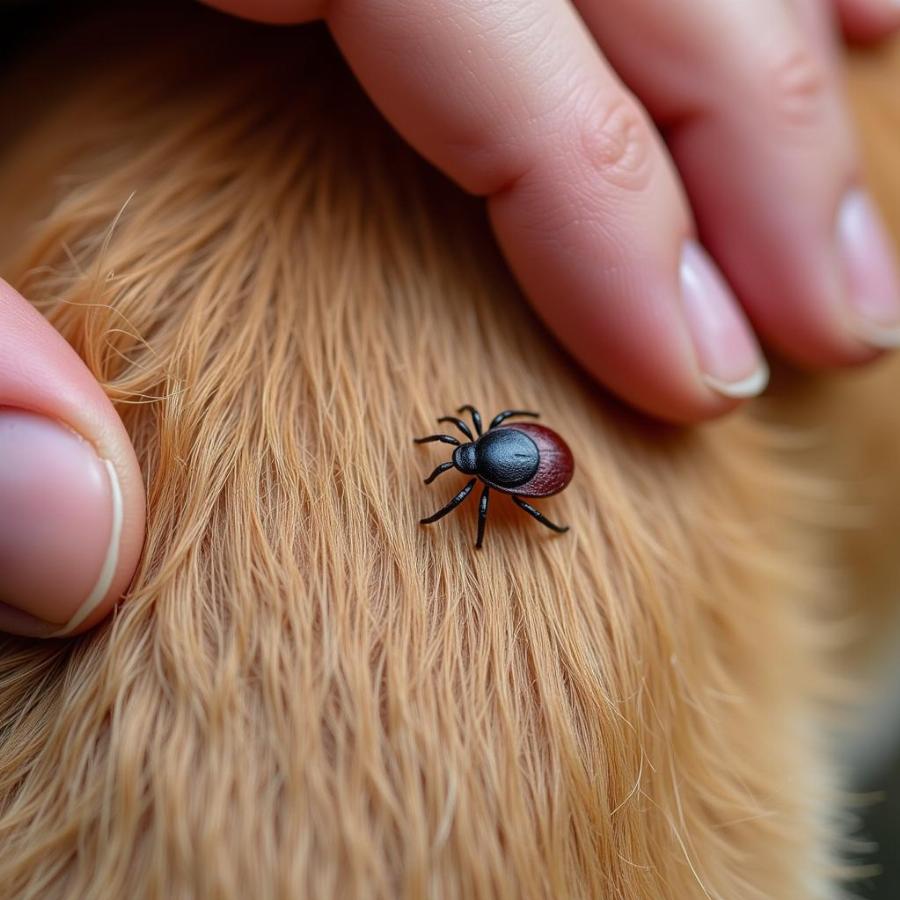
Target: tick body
x=522, y=459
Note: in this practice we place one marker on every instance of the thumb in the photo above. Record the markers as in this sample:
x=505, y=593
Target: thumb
x=71, y=494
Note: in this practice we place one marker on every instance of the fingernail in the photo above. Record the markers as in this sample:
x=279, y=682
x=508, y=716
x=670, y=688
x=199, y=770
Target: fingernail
x=60, y=523
x=871, y=278
x=727, y=352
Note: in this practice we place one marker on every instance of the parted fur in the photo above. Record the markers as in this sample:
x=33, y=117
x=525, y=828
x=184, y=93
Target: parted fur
x=305, y=694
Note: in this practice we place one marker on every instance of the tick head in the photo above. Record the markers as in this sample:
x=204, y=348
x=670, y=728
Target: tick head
x=464, y=458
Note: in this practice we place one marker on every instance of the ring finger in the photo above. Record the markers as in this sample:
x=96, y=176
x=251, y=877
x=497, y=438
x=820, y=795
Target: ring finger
x=754, y=117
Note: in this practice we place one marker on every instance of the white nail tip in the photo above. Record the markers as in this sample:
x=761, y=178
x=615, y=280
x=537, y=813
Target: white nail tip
x=108, y=570
x=885, y=338
x=752, y=386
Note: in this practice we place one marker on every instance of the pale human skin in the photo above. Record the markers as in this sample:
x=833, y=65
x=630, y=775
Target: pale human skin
x=663, y=266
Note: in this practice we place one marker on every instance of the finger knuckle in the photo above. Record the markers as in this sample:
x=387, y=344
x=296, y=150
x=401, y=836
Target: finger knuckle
x=617, y=142
x=795, y=87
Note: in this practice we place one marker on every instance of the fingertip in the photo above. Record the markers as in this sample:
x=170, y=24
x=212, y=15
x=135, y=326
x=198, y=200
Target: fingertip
x=71, y=493
x=701, y=399
x=866, y=21
x=870, y=271
x=728, y=354
x=724, y=365
x=704, y=400
x=646, y=312
x=745, y=388
x=864, y=321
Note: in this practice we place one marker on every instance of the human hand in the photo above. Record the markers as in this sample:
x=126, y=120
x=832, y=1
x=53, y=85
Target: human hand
x=520, y=101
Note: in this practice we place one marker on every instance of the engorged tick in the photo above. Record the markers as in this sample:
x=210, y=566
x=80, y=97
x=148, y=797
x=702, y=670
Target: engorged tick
x=523, y=460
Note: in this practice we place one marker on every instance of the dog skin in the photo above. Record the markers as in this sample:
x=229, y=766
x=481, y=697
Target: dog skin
x=304, y=694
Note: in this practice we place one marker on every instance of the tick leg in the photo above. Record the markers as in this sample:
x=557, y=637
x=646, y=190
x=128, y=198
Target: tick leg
x=438, y=471
x=451, y=505
x=482, y=516
x=476, y=416
x=503, y=416
x=539, y=516
x=459, y=424
x=443, y=438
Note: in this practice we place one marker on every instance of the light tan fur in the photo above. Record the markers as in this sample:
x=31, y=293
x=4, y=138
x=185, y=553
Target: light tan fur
x=305, y=694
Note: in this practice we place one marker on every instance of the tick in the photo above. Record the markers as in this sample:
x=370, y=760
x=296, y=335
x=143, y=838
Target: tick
x=522, y=459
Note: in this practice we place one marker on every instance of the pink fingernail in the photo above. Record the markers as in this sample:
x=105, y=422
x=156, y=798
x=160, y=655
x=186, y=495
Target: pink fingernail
x=727, y=352
x=60, y=518
x=870, y=271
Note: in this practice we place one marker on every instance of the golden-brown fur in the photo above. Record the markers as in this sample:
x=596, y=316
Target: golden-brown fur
x=305, y=694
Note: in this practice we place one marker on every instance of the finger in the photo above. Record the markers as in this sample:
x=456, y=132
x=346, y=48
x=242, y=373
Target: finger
x=818, y=19
x=761, y=137
x=514, y=102
x=869, y=20
x=71, y=495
